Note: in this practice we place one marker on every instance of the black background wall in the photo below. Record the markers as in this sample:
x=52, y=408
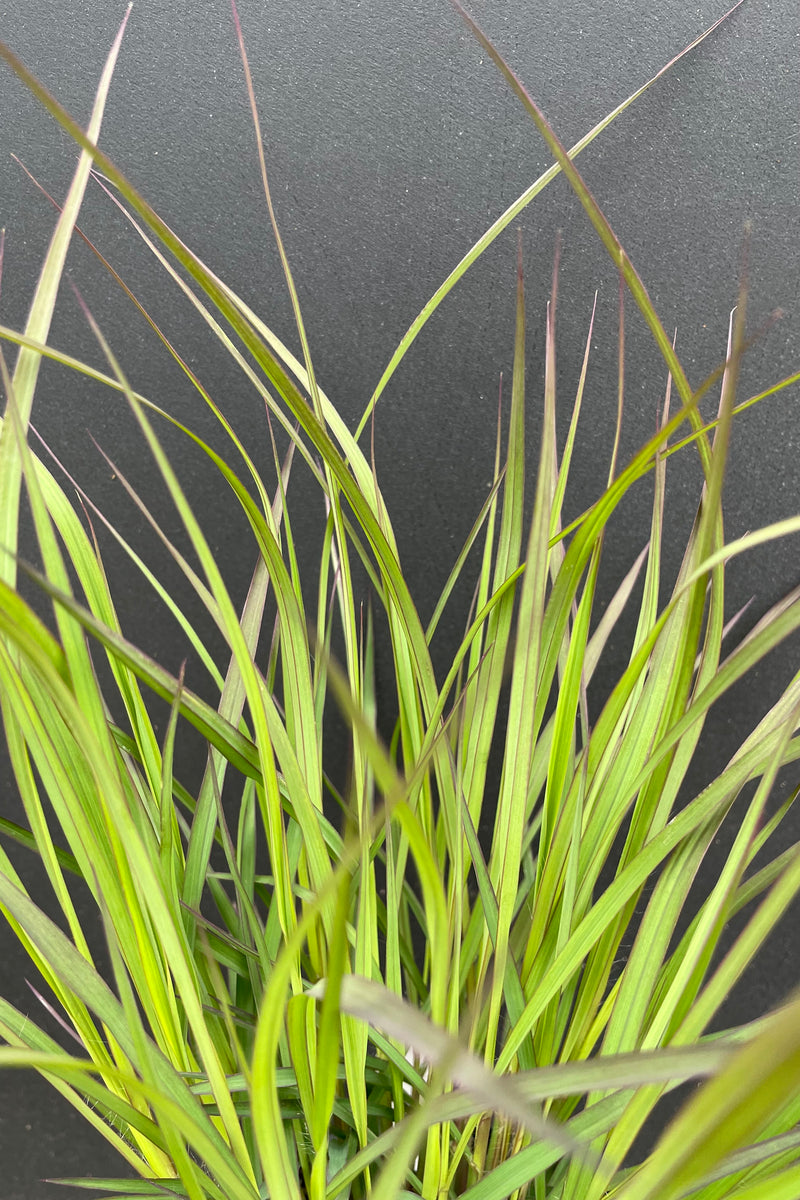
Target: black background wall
x=392, y=143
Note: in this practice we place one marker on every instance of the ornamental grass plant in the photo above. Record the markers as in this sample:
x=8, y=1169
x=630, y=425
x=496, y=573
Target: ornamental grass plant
x=323, y=989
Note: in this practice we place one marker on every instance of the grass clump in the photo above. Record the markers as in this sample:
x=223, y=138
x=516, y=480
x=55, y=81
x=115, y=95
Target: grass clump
x=392, y=1006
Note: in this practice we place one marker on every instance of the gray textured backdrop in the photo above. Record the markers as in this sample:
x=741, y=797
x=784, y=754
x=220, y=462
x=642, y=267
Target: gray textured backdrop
x=391, y=145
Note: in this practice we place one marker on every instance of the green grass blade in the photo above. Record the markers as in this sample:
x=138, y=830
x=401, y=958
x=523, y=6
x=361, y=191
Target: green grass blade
x=726, y=1114
x=509, y=215
x=41, y=313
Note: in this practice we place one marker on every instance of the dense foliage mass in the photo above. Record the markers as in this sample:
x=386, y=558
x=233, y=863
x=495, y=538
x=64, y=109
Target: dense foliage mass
x=395, y=1007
